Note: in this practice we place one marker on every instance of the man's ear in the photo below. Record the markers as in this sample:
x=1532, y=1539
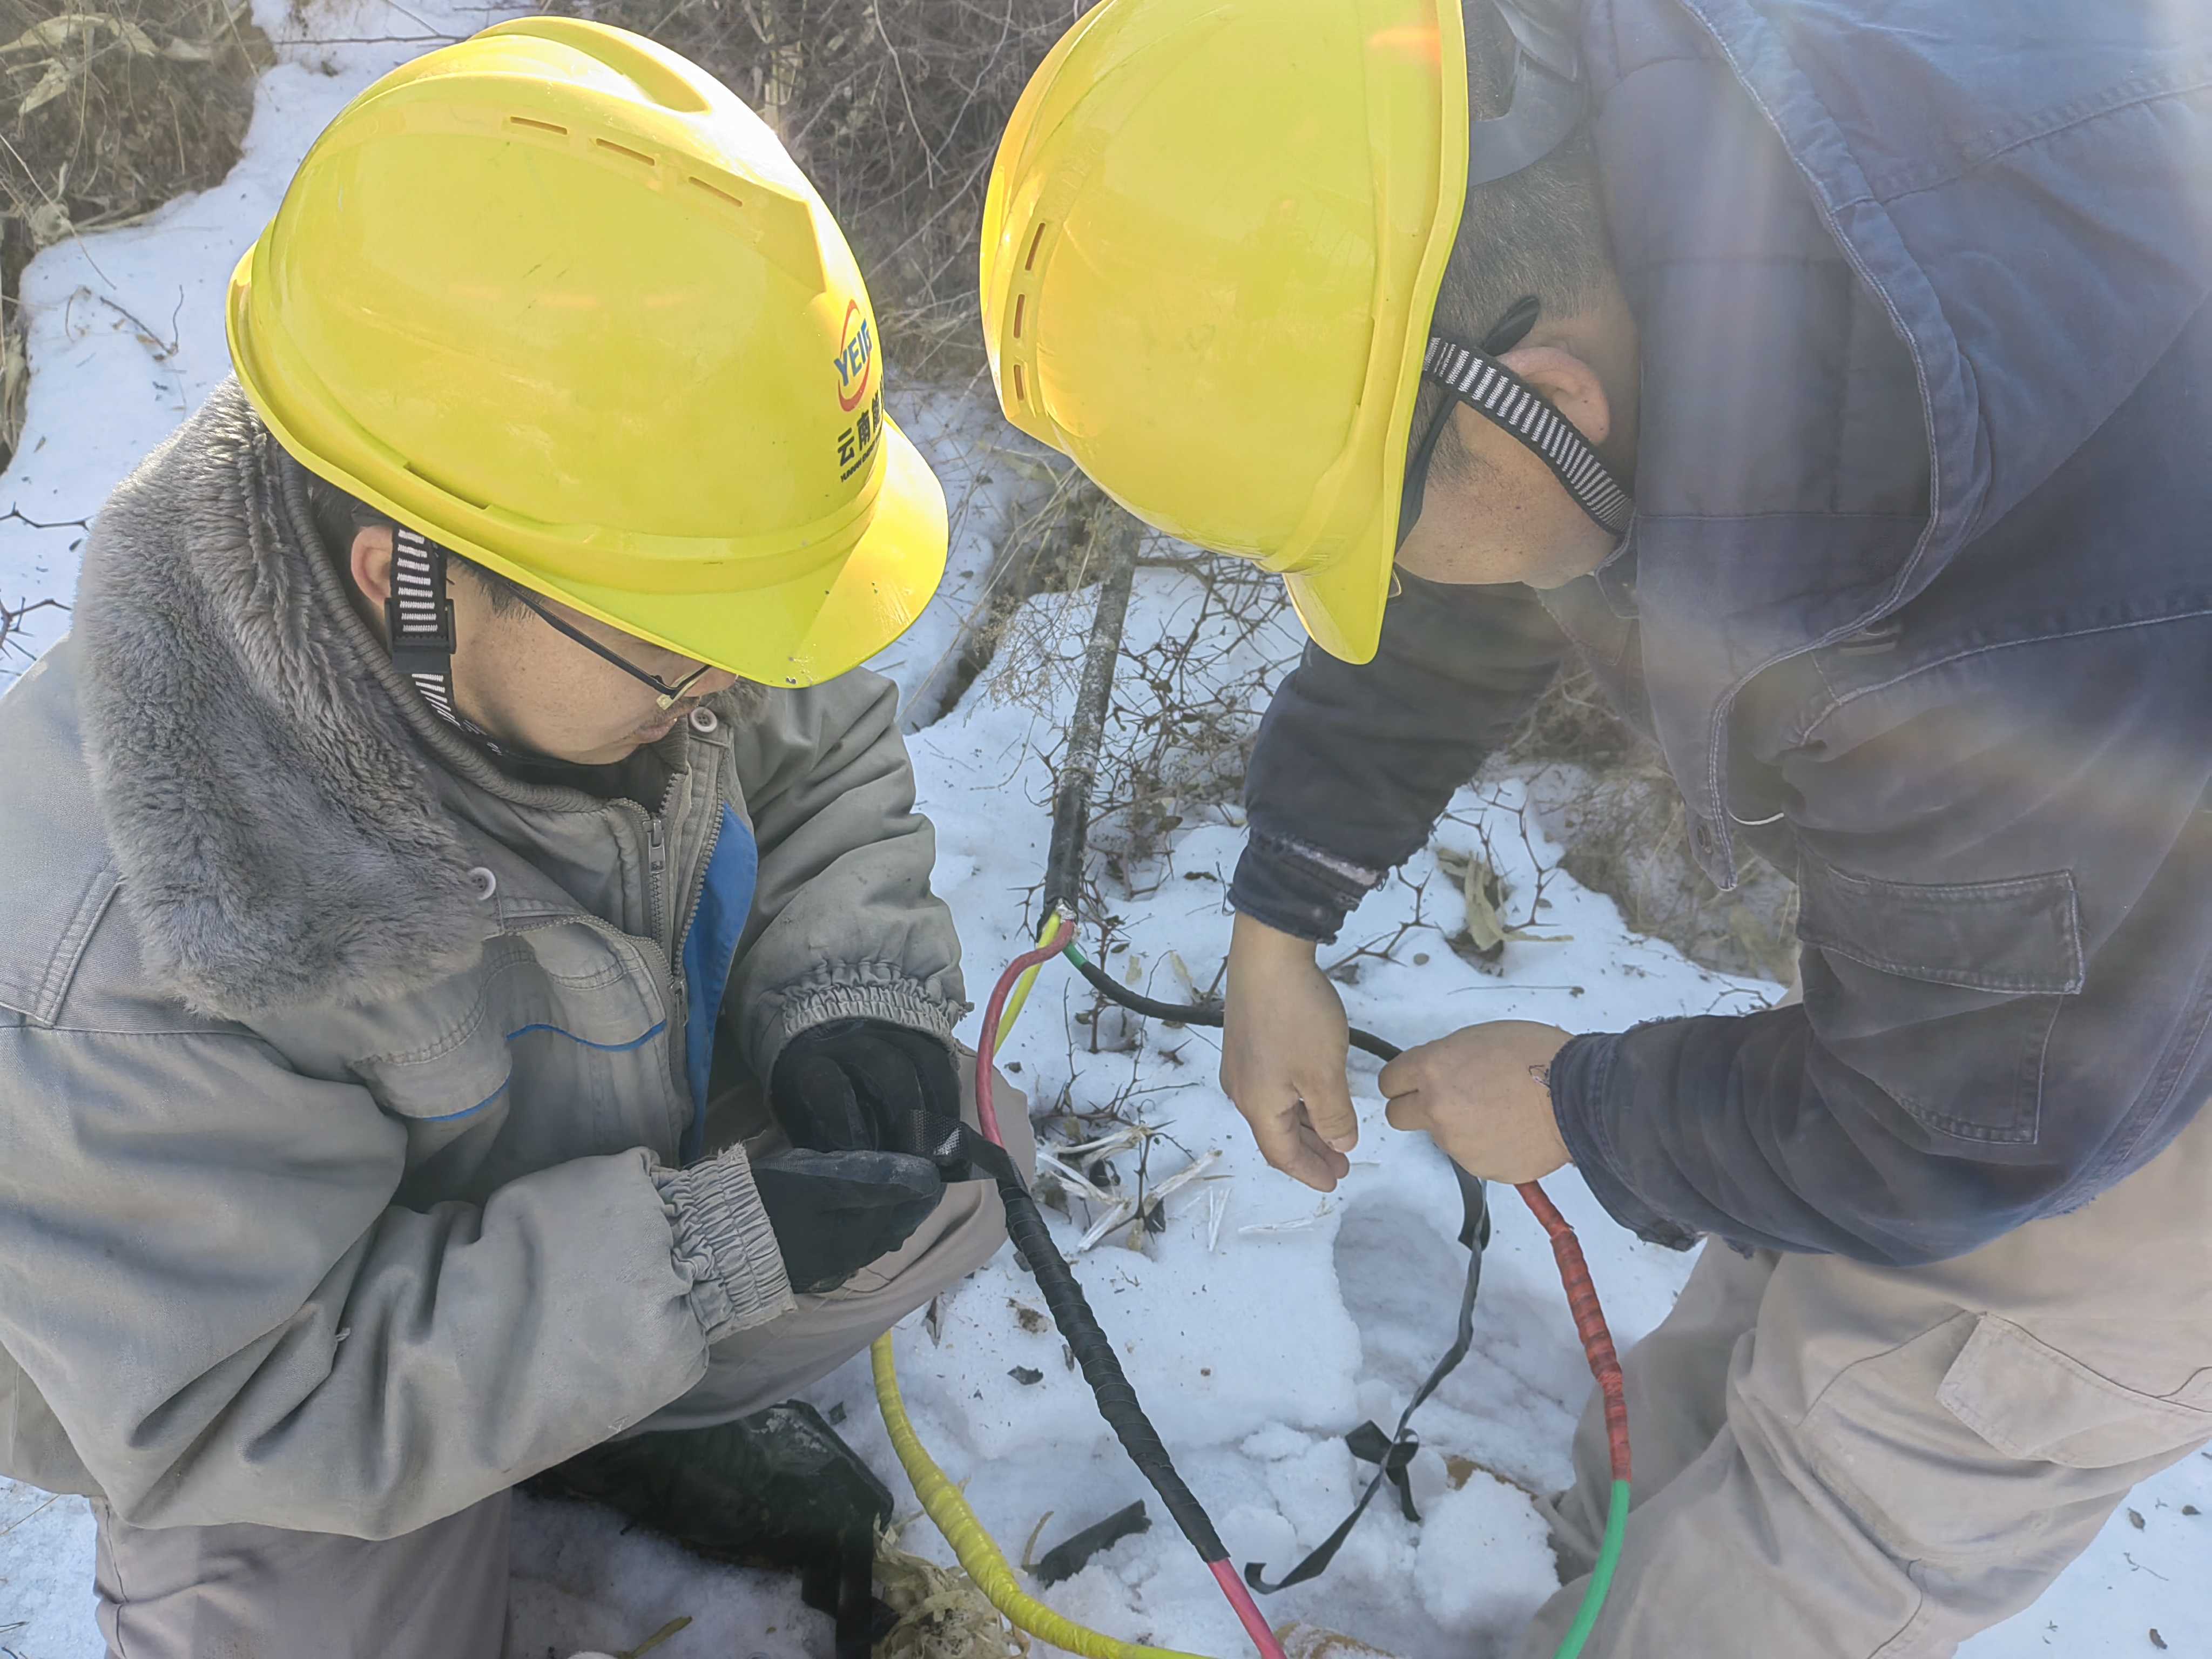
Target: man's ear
x=1572, y=386
x=371, y=564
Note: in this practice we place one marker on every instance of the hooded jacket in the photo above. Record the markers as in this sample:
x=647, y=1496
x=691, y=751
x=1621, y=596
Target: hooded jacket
x=1915, y=602
x=346, y=1083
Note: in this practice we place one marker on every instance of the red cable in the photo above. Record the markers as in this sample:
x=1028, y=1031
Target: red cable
x=986, y=1043
x=1255, y=1623
x=1590, y=1322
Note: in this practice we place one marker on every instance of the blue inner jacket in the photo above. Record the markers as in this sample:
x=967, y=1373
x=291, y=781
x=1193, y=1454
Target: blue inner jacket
x=1916, y=602
x=708, y=951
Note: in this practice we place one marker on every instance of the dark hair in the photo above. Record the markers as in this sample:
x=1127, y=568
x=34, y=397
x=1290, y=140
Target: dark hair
x=1539, y=231
x=340, y=516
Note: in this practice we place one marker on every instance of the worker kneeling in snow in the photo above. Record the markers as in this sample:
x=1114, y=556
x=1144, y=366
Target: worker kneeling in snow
x=457, y=790
x=1894, y=316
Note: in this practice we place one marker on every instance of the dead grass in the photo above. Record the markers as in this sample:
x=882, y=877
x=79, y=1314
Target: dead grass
x=108, y=113
x=942, y=1612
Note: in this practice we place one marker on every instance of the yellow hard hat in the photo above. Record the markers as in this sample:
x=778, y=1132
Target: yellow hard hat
x=1212, y=246
x=554, y=298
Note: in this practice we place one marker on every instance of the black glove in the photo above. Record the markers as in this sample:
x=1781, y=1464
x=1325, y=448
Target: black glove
x=835, y=1213
x=869, y=1085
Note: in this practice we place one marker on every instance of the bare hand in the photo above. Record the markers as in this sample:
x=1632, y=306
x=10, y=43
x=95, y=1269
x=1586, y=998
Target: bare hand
x=1484, y=1094
x=1285, y=1043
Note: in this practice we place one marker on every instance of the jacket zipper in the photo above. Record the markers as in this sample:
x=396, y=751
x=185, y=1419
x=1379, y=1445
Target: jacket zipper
x=680, y=1013
x=656, y=878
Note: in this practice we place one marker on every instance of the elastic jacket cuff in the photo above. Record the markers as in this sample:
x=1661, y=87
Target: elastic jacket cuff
x=1298, y=888
x=1580, y=1074
x=898, y=1001
x=725, y=1246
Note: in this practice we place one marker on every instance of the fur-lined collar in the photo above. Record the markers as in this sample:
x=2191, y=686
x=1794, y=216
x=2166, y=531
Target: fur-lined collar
x=259, y=765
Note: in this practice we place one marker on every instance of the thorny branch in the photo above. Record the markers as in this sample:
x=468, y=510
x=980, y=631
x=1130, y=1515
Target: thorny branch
x=11, y=624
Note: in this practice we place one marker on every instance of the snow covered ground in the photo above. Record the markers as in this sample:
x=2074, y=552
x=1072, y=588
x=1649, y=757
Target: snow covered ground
x=1262, y=1323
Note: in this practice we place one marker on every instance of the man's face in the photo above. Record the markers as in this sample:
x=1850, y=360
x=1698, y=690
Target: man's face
x=527, y=684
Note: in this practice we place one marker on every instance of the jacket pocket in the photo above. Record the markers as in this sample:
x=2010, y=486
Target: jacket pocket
x=1969, y=1442
x=1942, y=994
x=2034, y=1403
x=2022, y=935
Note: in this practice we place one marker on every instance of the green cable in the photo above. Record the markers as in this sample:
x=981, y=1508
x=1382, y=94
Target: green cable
x=1601, y=1578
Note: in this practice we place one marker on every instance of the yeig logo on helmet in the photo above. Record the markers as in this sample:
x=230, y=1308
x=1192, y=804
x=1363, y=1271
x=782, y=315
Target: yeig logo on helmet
x=856, y=359
x=857, y=388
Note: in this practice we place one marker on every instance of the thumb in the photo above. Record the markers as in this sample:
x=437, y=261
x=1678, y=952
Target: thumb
x=1407, y=1112
x=1329, y=1103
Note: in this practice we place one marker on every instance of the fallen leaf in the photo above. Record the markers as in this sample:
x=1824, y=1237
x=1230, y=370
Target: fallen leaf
x=51, y=85
x=1479, y=887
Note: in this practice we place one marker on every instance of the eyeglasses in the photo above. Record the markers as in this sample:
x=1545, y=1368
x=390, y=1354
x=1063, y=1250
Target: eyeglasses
x=668, y=693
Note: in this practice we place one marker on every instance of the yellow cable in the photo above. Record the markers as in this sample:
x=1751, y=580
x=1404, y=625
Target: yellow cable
x=1046, y=935
x=982, y=1558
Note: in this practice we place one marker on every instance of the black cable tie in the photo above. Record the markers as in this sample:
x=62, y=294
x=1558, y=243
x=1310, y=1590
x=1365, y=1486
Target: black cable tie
x=1369, y=1444
x=1474, y=1233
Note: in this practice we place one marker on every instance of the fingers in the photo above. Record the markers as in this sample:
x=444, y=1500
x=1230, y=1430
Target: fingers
x=1286, y=1138
x=818, y=1107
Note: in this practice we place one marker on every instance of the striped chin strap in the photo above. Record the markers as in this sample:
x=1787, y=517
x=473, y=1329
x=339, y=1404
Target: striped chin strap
x=1502, y=397
x=418, y=618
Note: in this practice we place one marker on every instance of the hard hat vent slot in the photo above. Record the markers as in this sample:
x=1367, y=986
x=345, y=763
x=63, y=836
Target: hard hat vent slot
x=542, y=126
x=1021, y=390
x=624, y=149
x=1036, y=242
x=1021, y=305
x=717, y=191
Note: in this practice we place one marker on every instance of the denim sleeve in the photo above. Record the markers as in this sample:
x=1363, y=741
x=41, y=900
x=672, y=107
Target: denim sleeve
x=1354, y=762
x=2006, y=868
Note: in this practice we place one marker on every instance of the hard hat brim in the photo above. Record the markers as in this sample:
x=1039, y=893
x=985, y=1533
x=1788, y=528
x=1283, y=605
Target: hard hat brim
x=1341, y=603
x=813, y=627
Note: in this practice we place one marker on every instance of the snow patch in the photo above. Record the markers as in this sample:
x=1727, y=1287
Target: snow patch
x=1264, y=1323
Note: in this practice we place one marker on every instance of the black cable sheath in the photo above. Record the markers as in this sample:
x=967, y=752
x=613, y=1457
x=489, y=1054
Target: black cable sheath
x=1199, y=1013
x=1094, y=1353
